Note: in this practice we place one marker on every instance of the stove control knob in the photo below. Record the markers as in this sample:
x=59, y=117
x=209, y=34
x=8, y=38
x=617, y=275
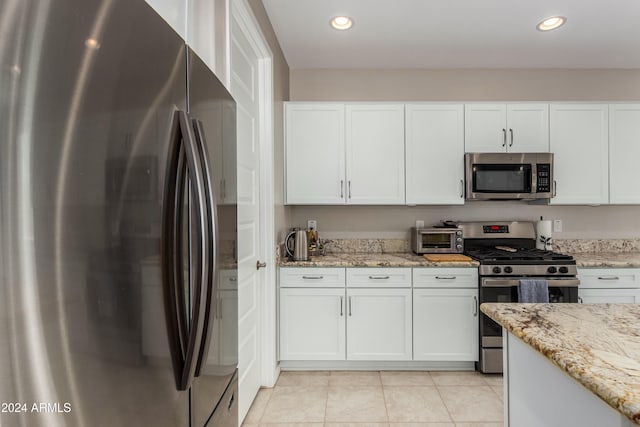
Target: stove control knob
x=508, y=270
x=497, y=270
x=552, y=270
x=564, y=270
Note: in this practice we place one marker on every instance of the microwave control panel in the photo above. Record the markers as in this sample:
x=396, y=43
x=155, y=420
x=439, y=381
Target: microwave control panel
x=543, y=179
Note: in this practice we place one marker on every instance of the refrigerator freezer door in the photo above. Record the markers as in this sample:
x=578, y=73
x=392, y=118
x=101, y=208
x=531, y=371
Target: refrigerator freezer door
x=87, y=92
x=211, y=104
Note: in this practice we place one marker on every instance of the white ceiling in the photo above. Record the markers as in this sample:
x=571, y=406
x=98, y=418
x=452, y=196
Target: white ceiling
x=458, y=33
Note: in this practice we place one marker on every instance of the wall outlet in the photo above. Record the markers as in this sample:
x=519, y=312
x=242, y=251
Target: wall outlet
x=557, y=225
x=312, y=223
x=419, y=223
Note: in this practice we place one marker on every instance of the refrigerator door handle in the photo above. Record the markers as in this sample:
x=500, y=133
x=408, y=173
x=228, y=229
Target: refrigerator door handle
x=185, y=335
x=211, y=279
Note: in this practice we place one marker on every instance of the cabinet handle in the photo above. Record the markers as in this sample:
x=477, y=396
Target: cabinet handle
x=349, y=306
x=511, y=133
x=341, y=305
x=608, y=278
x=349, y=184
x=580, y=300
x=461, y=189
x=342, y=188
x=445, y=277
x=504, y=137
x=475, y=306
x=378, y=277
x=313, y=277
x=554, y=188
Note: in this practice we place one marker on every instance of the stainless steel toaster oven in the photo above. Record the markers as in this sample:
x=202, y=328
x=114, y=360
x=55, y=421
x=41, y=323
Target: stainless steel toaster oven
x=436, y=240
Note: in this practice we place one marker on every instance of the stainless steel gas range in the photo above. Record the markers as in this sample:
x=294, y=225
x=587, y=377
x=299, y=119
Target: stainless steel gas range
x=507, y=254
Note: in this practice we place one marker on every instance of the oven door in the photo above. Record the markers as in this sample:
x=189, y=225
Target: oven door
x=505, y=289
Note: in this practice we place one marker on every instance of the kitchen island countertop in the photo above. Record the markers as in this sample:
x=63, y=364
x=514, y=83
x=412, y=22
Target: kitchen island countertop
x=399, y=259
x=598, y=345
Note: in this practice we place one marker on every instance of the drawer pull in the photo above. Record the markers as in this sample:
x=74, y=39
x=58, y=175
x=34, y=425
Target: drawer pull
x=378, y=277
x=608, y=278
x=313, y=277
x=446, y=277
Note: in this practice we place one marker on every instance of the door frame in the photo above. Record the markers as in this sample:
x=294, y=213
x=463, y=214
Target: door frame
x=248, y=24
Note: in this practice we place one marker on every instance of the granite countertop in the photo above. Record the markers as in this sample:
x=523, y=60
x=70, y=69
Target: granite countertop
x=607, y=259
x=400, y=259
x=596, y=344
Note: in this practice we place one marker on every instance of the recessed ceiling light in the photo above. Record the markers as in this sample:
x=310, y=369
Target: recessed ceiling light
x=551, y=23
x=341, y=23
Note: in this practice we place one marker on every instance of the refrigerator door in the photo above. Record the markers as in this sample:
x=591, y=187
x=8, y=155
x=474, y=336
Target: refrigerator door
x=88, y=89
x=213, y=110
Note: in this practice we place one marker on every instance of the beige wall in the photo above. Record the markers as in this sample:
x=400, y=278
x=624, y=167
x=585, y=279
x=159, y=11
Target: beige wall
x=466, y=85
x=280, y=94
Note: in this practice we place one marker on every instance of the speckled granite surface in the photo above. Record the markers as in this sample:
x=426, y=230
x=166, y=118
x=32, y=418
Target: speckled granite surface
x=400, y=259
x=597, y=245
x=596, y=344
x=607, y=260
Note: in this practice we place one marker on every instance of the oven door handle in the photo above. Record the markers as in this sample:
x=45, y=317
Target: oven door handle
x=507, y=283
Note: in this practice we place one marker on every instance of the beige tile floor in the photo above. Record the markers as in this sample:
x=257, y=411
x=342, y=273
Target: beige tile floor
x=379, y=399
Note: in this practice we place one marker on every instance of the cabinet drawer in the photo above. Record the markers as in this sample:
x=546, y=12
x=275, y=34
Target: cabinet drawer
x=311, y=277
x=378, y=277
x=445, y=277
x=603, y=278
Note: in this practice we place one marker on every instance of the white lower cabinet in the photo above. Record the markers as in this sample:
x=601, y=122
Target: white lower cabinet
x=445, y=314
x=374, y=315
x=312, y=324
x=378, y=324
x=445, y=324
x=609, y=285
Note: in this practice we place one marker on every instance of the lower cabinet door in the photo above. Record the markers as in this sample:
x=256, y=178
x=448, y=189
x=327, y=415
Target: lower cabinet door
x=445, y=324
x=631, y=296
x=312, y=324
x=378, y=324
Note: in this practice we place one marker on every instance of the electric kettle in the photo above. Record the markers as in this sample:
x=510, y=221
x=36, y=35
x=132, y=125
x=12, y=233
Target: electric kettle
x=296, y=245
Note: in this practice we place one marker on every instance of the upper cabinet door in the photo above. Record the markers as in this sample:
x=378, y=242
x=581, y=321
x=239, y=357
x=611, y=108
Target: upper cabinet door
x=315, y=156
x=624, y=152
x=174, y=12
x=528, y=128
x=375, y=154
x=485, y=128
x=579, y=140
x=435, y=154
x=496, y=128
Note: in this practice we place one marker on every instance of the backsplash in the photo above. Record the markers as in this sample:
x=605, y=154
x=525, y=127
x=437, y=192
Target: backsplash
x=572, y=246
x=348, y=246
x=381, y=246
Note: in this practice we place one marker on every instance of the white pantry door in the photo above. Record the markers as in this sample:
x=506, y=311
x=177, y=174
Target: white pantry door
x=244, y=86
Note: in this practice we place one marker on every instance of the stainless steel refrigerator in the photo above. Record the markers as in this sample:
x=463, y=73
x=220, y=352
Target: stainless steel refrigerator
x=118, y=276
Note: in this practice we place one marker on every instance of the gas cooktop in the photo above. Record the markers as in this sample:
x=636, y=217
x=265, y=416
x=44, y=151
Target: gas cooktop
x=518, y=256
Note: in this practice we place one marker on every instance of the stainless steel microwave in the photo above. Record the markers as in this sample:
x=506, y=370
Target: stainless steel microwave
x=436, y=240
x=508, y=176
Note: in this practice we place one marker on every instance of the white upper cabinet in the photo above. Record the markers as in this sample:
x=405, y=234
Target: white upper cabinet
x=315, y=154
x=434, y=154
x=207, y=34
x=174, y=12
x=624, y=152
x=337, y=154
x=375, y=154
x=496, y=128
x=579, y=136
